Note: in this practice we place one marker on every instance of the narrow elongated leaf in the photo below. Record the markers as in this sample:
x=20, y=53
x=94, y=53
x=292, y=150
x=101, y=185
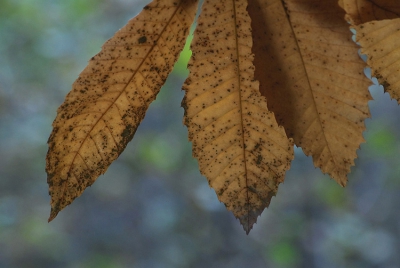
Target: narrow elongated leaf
x=109, y=99
x=380, y=41
x=239, y=146
x=312, y=76
x=360, y=11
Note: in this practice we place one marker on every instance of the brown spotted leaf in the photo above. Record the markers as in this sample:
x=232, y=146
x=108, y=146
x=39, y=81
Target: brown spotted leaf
x=109, y=99
x=360, y=11
x=312, y=76
x=238, y=144
x=380, y=41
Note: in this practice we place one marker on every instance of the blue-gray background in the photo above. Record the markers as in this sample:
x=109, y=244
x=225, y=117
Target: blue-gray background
x=152, y=208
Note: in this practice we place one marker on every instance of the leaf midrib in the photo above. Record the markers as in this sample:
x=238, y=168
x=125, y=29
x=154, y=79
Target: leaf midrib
x=241, y=111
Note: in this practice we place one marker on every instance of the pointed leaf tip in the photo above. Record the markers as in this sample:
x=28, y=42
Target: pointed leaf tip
x=53, y=214
x=249, y=219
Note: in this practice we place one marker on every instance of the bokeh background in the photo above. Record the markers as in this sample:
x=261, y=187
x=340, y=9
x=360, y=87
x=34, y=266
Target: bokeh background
x=152, y=208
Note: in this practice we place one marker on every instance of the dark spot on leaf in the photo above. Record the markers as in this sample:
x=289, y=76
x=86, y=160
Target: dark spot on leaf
x=142, y=39
x=259, y=159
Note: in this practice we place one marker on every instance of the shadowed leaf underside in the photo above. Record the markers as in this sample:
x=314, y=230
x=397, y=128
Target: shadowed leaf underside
x=109, y=99
x=360, y=11
x=313, y=79
x=238, y=144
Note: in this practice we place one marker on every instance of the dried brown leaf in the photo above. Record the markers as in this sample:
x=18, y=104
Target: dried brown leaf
x=239, y=146
x=109, y=99
x=312, y=76
x=380, y=41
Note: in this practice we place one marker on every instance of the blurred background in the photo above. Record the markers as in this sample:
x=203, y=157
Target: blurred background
x=152, y=208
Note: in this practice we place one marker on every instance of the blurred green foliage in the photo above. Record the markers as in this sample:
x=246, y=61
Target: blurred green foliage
x=381, y=140
x=284, y=253
x=152, y=208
